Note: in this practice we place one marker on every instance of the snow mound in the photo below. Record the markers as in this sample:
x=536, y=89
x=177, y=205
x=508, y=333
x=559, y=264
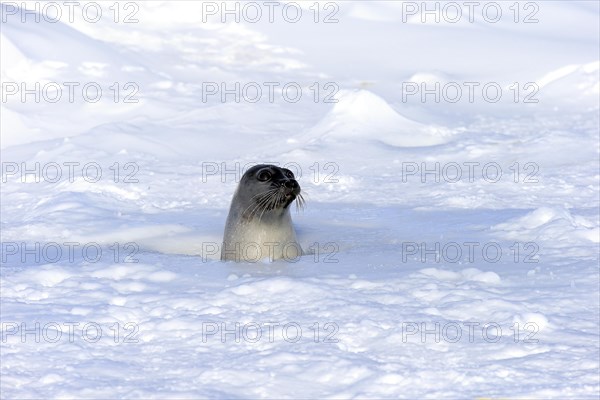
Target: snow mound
x=551, y=224
x=573, y=84
x=586, y=73
x=362, y=115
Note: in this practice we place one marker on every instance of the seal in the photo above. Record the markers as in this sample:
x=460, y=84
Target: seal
x=259, y=224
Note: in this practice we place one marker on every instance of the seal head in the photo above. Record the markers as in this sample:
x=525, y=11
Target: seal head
x=259, y=224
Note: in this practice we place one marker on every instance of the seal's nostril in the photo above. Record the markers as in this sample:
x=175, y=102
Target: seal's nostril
x=289, y=184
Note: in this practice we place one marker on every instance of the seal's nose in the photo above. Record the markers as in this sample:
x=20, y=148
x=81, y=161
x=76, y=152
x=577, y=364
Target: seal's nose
x=291, y=184
x=291, y=187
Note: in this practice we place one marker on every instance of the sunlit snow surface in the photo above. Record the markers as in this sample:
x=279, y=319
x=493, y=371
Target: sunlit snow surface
x=384, y=306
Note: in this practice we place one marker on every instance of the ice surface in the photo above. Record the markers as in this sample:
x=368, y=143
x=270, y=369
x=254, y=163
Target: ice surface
x=418, y=282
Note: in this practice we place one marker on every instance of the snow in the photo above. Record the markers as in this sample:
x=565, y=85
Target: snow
x=358, y=113
x=452, y=245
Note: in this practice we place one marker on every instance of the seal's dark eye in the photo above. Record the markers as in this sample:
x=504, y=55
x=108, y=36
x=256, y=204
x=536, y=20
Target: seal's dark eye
x=264, y=176
x=289, y=174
